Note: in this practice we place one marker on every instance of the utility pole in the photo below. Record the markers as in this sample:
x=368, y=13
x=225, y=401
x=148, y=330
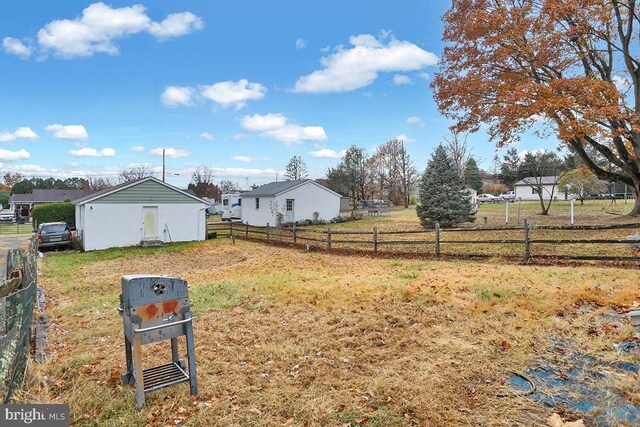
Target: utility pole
x=163, y=165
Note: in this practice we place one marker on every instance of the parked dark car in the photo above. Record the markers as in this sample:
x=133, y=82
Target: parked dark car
x=54, y=234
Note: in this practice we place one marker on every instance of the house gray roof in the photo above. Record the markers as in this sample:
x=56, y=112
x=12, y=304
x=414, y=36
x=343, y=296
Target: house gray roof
x=128, y=184
x=49, y=196
x=538, y=180
x=274, y=188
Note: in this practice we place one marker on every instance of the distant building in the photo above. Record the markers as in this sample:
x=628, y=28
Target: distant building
x=289, y=201
x=22, y=204
x=527, y=188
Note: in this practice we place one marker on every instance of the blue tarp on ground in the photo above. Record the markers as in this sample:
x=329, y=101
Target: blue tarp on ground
x=580, y=384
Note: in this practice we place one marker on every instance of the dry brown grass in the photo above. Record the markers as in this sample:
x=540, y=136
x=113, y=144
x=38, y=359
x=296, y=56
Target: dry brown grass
x=286, y=337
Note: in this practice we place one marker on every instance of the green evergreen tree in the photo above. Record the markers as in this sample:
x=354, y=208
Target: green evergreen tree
x=443, y=198
x=472, y=175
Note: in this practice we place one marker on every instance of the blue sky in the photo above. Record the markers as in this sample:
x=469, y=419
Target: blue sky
x=241, y=87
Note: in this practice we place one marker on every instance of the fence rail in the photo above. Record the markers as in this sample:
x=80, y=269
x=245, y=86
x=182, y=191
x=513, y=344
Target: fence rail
x=524, y=241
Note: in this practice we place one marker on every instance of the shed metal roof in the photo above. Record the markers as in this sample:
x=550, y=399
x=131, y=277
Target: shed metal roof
x=274, y=188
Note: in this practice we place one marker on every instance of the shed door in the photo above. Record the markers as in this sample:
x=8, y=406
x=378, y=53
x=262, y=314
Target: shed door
x=149, y=223
x=289, y=212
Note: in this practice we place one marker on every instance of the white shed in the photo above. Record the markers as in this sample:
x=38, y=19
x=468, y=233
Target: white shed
x=145, y=211
x=289, y=201
x=527, y=188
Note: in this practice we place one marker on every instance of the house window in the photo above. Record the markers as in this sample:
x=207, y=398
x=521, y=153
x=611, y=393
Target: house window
x=225, y=202
x=534, y=190
x=289, y=205
x=257, y=203
x=239, y=202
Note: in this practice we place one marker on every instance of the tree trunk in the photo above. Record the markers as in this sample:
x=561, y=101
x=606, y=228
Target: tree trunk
x=581, y=202
x=545, y=210
x=636, y=207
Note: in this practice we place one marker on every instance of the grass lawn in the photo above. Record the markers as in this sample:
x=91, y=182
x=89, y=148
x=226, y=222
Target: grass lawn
x=13, y=228
x=592, y=212
x=291, y=338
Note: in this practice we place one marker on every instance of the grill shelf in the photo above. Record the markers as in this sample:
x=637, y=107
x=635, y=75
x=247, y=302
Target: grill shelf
x=162, y=376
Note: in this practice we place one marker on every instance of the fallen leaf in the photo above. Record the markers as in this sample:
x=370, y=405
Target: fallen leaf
x=555, y=420
x=505, y=345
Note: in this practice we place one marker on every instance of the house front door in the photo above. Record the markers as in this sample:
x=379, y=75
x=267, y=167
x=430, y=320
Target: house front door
x=149, y=223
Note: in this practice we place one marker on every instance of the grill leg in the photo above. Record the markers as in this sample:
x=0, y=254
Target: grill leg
x=127, y=377
x=137, y=366
x=191, y=356
x=174, y=350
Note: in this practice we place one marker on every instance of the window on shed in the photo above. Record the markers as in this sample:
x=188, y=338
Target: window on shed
x=289, y=205
x=225, y=202
x=534, y=190
x=239, y=202
x=257, y=203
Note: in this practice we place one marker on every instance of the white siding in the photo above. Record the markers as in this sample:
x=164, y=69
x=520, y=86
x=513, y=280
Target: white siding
x=526, y=193
x=104, y=226
x=308, y=198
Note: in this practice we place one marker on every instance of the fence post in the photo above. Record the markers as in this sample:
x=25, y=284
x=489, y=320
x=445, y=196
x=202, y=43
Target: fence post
x=246, y=230
x=294, y=233
x=572, y=222
x=375, y=240
x=267, y=231
x=329, y=238
x=527, y=242
x=506, y=215
x=231, y=228
x=437, y=239
x=518, y=214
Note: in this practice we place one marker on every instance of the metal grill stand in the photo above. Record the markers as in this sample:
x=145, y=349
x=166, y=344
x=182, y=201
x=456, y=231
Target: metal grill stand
x=156, y=308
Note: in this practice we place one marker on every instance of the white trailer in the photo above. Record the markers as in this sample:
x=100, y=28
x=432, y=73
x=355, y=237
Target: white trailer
x=232, y=206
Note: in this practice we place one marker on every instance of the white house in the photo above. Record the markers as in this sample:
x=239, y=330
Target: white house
x=144, y=211
x=527, y=188
x=289, y=201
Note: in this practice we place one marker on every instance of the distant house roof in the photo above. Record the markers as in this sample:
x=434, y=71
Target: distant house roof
x=538, y=180
x=128, y=184
x=49, y=196
x=274, y=188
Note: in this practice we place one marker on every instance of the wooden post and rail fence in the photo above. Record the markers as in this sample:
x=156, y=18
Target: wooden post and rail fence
x=439, y=242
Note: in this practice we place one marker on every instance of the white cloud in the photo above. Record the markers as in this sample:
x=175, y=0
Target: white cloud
x=622, y=83
x=172, y=153
x=137, y=148
x=236, y=94
x=414, y=120
x=20, y=133
x=92, y=152
x=10, y=156
x=264, y=123
x=176, y=25
x=99, y=26
x=16, y=47
x=327, y=153
x=405, y=138
x=174, y=96
x=401, y=80
x=301, y=43
x=242, y=159
x=360, y=65
x=207, y=136
x=70, y=132
x=277, y=126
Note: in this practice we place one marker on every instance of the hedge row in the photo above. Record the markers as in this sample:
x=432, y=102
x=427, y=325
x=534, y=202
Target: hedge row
x=55, y=212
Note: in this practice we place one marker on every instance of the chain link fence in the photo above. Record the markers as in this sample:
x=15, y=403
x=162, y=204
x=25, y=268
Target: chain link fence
x=17, y=299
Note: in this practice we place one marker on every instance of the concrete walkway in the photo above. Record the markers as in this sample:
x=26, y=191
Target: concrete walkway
x=10, y=242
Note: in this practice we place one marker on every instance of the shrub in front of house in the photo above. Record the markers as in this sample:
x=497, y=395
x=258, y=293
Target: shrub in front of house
x=55, y=212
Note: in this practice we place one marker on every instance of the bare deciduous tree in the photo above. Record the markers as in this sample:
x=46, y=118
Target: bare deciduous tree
x=136, y=172
x=458, y=151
